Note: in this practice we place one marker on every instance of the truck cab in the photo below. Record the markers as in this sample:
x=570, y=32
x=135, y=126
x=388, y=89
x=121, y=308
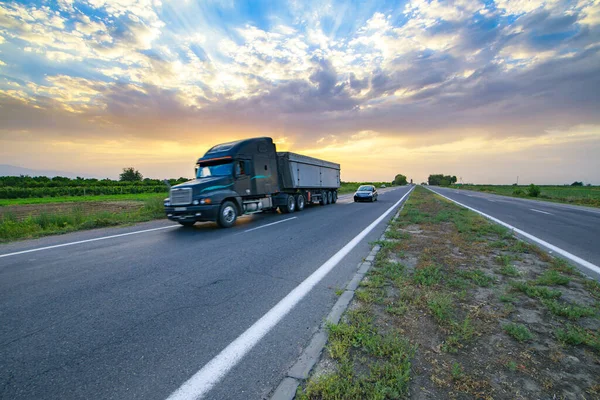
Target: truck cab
x=242, y=173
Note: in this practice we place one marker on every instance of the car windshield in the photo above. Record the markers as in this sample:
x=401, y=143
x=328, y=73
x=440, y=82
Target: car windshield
x=365, y=189
x=214, y=170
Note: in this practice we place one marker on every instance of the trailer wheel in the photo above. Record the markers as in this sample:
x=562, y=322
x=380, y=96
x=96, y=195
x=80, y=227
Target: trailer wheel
x=290, y=205
x=227, y=215
x=323, y=200
x=299, y=202
x=329, y=197
x=334, y=197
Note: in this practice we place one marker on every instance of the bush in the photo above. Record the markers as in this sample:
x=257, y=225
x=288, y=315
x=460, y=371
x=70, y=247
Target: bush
x=533, y=190
x=518, y=192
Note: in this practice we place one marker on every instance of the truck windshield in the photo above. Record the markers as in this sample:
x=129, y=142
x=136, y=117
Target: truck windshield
x=214, y=170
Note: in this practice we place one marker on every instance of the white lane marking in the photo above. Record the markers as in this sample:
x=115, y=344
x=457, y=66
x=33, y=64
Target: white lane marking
x=207, y=377
x=540, y=211
x=272, y=223
x=493, y=201
x=86, y=241
x=552, y=247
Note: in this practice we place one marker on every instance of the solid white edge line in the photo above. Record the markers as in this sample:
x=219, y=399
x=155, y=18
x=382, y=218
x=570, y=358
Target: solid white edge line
x=552, y=247
x=207, y=377
x=85, y=241
x=272, y=223
x=539, y=211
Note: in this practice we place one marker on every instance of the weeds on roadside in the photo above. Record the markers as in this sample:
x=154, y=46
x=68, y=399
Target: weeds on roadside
x=518, y=331
x=576, y=335
x=570, y=311
x=552, y=278
x=536, y=292
x=428, y=276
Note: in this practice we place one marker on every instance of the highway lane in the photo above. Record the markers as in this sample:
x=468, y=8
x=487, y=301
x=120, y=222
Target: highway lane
x=574, y=229
x=135, y=316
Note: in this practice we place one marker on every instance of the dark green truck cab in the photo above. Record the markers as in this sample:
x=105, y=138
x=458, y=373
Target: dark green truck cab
x=249, y=176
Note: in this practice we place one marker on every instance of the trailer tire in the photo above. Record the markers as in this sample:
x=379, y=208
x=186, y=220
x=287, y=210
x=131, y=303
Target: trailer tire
x=300, y=202
x=330, y=197
x=334, y=197
x=227, y=215
x=290, y=205
x=323, y=200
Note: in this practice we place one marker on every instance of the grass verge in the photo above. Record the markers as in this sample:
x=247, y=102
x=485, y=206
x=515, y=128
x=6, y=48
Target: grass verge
x=456, y=307
x=584, y=196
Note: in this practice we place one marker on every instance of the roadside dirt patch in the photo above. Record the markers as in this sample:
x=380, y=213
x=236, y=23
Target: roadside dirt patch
x=21, y=212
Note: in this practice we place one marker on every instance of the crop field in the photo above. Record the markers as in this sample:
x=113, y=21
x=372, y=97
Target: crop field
x=580, y=195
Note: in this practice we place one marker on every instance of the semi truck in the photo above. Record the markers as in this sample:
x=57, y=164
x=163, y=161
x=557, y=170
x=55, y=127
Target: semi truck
x=249, y=176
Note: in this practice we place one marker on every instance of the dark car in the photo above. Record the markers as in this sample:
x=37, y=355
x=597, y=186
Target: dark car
x=366, y=193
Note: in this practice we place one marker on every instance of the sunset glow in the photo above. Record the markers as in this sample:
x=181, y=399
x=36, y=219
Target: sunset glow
x=486, y=91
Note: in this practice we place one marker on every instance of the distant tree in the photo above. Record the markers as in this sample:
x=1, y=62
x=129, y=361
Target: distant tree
x=533, y=190
x=577, y=183
x=130, y=175
x=441, y=180
x=400, y=180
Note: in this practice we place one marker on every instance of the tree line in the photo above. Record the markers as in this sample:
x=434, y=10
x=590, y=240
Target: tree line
x=441, y=180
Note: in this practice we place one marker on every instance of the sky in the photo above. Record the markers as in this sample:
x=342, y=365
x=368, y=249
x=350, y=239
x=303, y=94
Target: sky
x=484, y=90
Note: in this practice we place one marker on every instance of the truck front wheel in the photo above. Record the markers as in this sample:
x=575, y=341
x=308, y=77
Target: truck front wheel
x=227, y=215
x=290, y=205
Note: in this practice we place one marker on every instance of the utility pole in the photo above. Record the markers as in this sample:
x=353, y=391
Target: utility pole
x=517, y=180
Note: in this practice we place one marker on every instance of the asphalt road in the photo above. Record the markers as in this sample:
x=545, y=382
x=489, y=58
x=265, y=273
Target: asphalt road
x=574, y=229
x=133, y=317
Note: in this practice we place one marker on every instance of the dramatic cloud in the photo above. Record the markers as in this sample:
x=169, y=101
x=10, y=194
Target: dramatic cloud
x=466, y=77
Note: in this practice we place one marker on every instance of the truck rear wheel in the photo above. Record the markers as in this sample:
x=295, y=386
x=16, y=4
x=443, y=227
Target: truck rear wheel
x=290, y=205
x=334, y=196
x=329, y=197
x=300, y=202
x=227, y=215
x=324, y=201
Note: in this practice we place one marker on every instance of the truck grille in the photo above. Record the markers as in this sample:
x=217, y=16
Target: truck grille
x=181, y=196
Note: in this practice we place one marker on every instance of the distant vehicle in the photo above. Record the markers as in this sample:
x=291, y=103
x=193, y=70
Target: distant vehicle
x=383, y=186
x=250, y=176
x=366, y=193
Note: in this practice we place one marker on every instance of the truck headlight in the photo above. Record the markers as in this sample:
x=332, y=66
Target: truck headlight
x=167, y=202
x=205, y=201
x=195, y=202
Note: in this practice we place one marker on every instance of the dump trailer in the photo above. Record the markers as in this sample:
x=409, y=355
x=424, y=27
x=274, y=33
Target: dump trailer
x=250, y=176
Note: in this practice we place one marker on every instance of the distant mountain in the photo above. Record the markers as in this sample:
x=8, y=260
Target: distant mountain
x=12, y=170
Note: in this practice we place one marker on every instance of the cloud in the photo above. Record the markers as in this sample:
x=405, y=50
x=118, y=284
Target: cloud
x=312, y=72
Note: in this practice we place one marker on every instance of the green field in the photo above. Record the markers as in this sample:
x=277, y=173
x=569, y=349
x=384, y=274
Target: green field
x=580, y=195
x=62, y=217
x=81, y=199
